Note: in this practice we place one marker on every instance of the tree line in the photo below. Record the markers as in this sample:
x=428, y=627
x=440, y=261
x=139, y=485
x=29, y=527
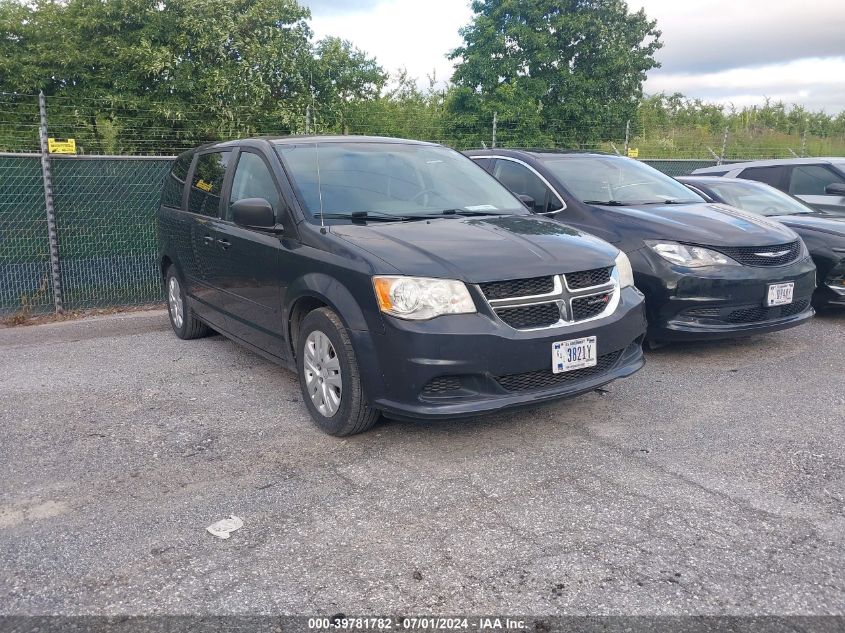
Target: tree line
x=152, y=76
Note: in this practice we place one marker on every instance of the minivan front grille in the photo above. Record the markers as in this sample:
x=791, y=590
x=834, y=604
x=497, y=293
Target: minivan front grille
x=762, y=255
x=528, y=317
x=588, y=278
x=588, y=307
x=518, y=287
x=545, y=378
x=541, y=302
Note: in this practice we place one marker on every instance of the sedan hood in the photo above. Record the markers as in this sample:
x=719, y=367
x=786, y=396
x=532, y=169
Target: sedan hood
x=813, y=222
x=699, y=223
x=477, y=250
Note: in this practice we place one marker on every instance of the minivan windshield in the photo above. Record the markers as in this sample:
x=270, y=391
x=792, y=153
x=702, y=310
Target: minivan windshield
x=391, y=181
x=757, y=198
x=617, y=180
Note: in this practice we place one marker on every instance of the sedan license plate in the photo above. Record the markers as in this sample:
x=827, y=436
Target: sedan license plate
x=780, y=294
x=574, y=354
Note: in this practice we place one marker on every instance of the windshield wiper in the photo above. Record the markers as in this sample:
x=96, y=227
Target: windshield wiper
x=368, y=216
x=607, y=203
x=468, y=212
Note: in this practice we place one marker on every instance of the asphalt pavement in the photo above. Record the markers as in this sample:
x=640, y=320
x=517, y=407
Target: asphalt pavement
x=711, y=482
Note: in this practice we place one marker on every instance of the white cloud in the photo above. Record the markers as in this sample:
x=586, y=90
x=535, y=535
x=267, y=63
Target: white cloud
x=402, y=33
x=815, y=83
x=730, y=51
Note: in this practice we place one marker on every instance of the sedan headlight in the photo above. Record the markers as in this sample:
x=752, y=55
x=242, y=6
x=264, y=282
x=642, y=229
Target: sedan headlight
x=420, y=298
x=624, y=270
x=690, y=256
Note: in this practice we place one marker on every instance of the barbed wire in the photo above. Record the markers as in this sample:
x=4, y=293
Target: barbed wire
x=109, y=126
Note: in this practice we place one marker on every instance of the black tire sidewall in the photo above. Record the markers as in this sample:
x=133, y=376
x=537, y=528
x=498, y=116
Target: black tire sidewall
x=351, y=395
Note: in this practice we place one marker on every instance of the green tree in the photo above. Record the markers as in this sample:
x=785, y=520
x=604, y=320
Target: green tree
x=158, y=75
x=341, y=76
x=558, y=71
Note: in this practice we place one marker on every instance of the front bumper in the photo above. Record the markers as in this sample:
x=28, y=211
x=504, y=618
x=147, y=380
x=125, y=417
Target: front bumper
x=466, y=365
x=719, y=302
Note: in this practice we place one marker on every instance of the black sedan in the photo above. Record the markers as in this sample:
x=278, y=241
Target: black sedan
x=708, y=271
x=823, y=233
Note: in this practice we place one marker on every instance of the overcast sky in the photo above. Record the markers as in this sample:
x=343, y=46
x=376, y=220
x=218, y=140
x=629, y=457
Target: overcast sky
x=729, y=51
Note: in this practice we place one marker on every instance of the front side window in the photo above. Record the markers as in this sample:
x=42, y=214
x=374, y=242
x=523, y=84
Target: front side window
x=522, y=181
x=253, y=180
x=811, y=180
x=391, y=179
x=207, y=183
x=617, y=180
x=758, y=198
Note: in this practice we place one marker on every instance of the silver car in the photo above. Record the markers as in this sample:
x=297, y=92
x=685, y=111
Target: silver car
x=820, y=182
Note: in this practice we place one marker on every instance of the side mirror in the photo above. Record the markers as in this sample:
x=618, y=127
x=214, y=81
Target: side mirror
x=528, y=201
x=254, y=213
x=835, y=189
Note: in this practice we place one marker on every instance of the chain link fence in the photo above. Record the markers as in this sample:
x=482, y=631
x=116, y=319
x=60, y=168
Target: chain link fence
x=104, y=205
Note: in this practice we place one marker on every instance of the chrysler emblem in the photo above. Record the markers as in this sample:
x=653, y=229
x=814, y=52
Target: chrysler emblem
x=775, y=254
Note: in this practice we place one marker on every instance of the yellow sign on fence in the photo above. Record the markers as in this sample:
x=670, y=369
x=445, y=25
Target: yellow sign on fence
x=633, y=152
x=61, y=145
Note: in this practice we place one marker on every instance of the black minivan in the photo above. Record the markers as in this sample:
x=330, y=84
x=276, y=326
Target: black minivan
x=394, y=276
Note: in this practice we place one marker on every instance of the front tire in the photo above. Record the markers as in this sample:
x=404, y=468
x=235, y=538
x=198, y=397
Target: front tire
x=182, y=319
x=329, y=377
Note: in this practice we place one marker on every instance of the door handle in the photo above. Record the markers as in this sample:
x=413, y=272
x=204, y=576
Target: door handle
x=208, y=239
x=224, y=244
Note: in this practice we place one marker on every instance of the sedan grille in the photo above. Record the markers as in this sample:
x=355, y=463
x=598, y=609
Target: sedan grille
x=762, y=255
x=518, y=287
x=545, y=379
x=755, y=314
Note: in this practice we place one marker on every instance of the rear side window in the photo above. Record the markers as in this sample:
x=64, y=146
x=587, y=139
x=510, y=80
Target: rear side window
x=207, y=183
x=253, y=180
x=486, y=163
x=174, y=185
x=523, y=181
x=769, y=175
x=810, y=180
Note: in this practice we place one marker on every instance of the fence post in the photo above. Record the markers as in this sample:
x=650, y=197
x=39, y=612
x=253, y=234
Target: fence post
x=308, y=115
x=804, y=141
x=495, y=123
x=52, y=233
x=724, y=147
x=627, y=135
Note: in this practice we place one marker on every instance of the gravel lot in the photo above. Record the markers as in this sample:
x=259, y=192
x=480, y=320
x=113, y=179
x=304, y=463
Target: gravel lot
x=712, y=482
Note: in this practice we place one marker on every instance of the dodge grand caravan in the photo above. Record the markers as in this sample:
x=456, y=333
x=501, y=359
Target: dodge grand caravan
x=393, y=276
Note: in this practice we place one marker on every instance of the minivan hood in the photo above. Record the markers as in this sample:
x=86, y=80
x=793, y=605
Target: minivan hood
x=698, y=223
x=484, y=249
x=813, y=222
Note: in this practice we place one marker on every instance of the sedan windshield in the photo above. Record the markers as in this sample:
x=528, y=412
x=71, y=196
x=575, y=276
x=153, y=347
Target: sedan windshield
x=617, y=180
x=382, y=181
x=757, y=198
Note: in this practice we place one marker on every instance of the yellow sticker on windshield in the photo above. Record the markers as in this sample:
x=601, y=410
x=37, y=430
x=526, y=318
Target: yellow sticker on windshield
x=201, y=184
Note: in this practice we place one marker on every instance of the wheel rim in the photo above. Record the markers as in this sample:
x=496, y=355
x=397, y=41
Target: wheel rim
x=174, y=301
x=323, y=378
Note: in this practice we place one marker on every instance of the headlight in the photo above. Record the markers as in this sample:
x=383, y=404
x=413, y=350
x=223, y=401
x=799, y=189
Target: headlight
x=421, y=298
x=691, y=256
x=623, y=268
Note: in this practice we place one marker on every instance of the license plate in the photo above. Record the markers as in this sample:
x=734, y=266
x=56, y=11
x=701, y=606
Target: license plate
x=780, y=294
x=575, y=354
